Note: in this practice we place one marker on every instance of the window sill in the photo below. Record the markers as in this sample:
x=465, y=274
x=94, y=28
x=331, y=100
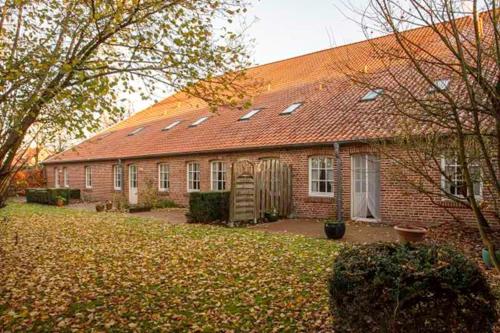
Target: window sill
x=445, y=202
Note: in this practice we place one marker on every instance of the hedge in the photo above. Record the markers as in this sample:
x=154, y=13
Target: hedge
x=48, y=196
x=409, y=288
x=208, y=206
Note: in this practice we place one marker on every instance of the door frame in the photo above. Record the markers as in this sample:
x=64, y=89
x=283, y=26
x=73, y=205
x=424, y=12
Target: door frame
x=130, y=166
x=362, y=219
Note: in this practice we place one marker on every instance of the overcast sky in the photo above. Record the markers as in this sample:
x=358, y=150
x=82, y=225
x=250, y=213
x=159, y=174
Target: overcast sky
x=282, y=29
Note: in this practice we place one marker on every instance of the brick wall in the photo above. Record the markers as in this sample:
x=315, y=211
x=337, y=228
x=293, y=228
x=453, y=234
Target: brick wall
x=398, y=203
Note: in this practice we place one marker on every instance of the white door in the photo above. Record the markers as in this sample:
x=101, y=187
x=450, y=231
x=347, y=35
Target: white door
x=365, y=187
x=132, y=185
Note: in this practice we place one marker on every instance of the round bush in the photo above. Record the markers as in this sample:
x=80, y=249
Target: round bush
x=389, y=287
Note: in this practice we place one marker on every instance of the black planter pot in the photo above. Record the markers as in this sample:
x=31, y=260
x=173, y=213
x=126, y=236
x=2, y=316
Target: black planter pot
x=335, y=230
x=271, y=217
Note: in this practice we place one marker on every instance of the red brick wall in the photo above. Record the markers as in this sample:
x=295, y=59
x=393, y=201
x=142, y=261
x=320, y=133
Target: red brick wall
x=399, y=203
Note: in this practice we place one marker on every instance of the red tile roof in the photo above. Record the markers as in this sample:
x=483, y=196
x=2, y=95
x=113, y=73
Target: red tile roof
x=331, y=112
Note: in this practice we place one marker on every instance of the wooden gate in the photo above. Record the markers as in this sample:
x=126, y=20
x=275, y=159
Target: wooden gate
x=258, y=189
x=273, y=187
x=242, y=206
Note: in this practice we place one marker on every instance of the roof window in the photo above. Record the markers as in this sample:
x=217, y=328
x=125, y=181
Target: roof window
x=372, y=95
x=292, y=108
x=250, y=114
x=172, y=125
x=439, y=85
x=134, y=132
x=199, y=121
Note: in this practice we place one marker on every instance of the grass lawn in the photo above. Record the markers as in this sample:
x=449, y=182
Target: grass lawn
x=71, y=270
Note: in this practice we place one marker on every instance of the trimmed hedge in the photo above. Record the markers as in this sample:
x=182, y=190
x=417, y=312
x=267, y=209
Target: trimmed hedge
x=48, y=196
x=409, y=288
x=208, y=206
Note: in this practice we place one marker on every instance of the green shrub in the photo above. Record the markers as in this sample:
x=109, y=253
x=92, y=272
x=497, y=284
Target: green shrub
x=53, y=193
x=208, y=206
x=166, y=203
x=37, y=195
x=409, y=288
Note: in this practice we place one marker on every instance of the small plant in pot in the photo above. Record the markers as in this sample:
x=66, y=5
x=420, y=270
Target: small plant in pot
x=109, y=205
x=60, y=201
x=272, y=216
x=334, y=229
x=99, y=207
x=487, y=259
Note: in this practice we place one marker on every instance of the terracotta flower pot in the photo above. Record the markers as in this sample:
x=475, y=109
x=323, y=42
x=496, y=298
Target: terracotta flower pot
x=410, y=233
x=99, y=208
x=59, y=202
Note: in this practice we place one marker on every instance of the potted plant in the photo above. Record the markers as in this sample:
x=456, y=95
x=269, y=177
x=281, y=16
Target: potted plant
x=99, y=207
x=60, y=201
x=410, y=234
x=334, y=229
x=272, y=216
x=486, y=257
x=109, y=205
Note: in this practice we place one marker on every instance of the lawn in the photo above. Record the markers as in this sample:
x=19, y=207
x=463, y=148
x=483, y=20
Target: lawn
x=71, y=270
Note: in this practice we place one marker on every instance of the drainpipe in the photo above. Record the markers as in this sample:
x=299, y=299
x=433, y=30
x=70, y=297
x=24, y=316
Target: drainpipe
x=338, y=176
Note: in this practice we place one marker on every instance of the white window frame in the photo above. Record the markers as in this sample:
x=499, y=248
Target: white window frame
x=172, y=125
x=292, y=108
x=444, y=165
x=250, y=114
x=163, y=170
x=321, y=194
x=191, y=170
x=65, y=177
x=88, y=177
x=56, y=177
x=372, y=95
x=118, y=177
x=199, y=121
x=217, y=168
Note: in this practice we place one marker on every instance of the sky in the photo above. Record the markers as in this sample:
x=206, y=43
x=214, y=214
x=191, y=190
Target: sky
x=282, y=29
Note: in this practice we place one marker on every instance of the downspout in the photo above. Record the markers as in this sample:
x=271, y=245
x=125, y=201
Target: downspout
x=338, y=176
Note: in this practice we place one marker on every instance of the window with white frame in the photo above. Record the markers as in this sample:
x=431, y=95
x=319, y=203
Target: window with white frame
x=163, y=183
x=218, y=175
x=193, y=177
x=452, y=179
x=117, y=177
x=88, y=177
x=65, y=177
x=321, y=176
x=56, y=177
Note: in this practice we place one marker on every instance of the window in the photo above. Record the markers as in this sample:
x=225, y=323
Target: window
x=163, y=184
x=250, y=114
x=321, y=176
x=117, y=177
x=88, y=177
x=193, y=177
x=198, y=122
x=65, y=177
x=440, y=85
x=453, y=182
x=218, y=178
x=172, y=125
x=134, y=132
x=56, y=177
x=291, y=108
x=372, y=95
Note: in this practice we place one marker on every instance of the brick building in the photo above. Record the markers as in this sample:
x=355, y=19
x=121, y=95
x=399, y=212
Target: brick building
x=306, y=109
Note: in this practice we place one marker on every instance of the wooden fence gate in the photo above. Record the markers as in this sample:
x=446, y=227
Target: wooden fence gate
x=257, y=189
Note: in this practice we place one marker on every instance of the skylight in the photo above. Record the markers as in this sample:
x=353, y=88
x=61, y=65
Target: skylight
x=250, y=114
x=199, y=121
x=372, y=95
x=134, y=132
x=292, y=108
x=440, y=85
x=172, y=125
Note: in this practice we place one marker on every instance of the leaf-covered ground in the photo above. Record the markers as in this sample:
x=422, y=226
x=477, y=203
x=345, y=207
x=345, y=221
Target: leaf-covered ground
x=69, y=270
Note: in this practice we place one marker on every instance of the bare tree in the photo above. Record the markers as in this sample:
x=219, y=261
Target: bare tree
x=439, y=108
x=63, y=63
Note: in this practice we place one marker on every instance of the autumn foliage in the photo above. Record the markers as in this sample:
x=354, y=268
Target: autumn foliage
x=27, y=178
